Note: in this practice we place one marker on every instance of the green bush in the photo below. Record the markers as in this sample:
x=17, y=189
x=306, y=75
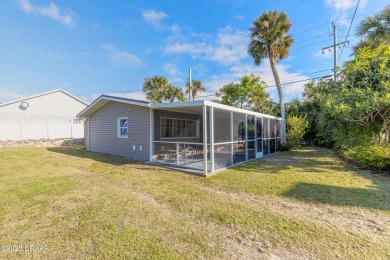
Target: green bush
x=296, y=129
x=372, y=155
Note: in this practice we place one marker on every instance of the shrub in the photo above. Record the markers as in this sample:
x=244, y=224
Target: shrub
x=296, y=128
x=372, y=155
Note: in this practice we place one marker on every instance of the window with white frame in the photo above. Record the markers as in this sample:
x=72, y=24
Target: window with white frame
x=178, y=128
x=122, y=127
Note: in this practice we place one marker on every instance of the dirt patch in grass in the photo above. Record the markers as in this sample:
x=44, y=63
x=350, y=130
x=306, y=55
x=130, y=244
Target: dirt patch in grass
x=354, y=220
x=279, y=159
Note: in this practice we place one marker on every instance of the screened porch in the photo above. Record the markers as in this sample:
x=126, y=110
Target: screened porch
x=209, y=138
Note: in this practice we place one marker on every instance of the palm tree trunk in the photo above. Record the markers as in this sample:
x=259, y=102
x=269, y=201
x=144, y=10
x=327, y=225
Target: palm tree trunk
x=281, y=101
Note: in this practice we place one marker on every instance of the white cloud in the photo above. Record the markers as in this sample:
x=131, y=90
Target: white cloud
x=154, y=17
x=170, y=68
x=121, y=58
x=228, y=47
x=174, y=28
x=7, y=95
x=239, y=17
x=55, y=55
x=190, y=48
x=215, y=82
x=341, y=5
x=175, y=76
x=52, y=11
x=340, y=8
x=127, y=22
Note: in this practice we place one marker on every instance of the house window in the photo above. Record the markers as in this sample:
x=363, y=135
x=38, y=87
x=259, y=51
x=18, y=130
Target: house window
x=178, y=128
x=122, y=127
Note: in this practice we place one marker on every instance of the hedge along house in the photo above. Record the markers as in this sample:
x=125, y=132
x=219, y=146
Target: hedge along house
x=202, y=136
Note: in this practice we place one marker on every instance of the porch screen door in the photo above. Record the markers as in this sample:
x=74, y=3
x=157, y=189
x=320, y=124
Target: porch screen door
x=259, y=137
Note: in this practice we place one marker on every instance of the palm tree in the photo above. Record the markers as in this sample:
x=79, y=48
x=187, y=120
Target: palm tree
x=173, y=93
x=155, y=88
x=197, y=86
x=269, y=39
x=375, y=29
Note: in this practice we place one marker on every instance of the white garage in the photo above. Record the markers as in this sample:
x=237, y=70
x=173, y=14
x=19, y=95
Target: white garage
x=47, y=115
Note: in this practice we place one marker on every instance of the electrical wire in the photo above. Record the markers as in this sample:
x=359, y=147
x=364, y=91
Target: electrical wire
x=302, y=75
x=218, y=67
x=349, y=29
x=286, y=83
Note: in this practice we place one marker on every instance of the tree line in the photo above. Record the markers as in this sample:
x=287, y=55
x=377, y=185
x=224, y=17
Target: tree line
x=352, y=114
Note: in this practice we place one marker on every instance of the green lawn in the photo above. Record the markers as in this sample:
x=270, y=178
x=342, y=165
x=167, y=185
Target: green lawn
x=301, y=204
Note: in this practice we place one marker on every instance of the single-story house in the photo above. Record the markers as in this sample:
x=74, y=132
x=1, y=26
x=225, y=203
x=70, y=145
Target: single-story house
x=198, y=135
x=46, y=115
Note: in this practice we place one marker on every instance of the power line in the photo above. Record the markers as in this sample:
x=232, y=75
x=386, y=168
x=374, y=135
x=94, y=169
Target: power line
x=286, y=83
x=297, y=67
x=354, y=13
x=300, y=48
x=298, y=76
x=228, y=68
x=251, y=61
x=342, y=19
x=309, y=39
x=310, y=29
x=296, y=49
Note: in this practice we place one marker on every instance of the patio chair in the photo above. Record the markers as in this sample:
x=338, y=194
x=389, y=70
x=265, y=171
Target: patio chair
x=186, y=152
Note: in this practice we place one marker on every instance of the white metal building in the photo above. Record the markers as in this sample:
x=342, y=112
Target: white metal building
x=47, y=115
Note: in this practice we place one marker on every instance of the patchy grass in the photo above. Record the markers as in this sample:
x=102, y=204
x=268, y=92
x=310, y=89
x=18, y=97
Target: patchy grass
x=301, y=204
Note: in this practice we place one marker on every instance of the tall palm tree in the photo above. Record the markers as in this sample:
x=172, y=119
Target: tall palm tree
x=375, y=29
x=155, y=88
x=269, y=39
x=173, y=93
x=197, y=86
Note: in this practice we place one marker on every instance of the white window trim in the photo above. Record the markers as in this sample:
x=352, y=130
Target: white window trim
x=197, y=125
x=118, y=128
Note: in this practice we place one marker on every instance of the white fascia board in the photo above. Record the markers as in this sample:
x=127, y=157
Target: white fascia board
x=105, y=99
x=178, y=104
x=210, y=104
x=239, y=110
x=74, y=97
x=126, y=101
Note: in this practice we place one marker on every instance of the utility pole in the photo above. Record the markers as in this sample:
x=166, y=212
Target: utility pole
x=335, y=45
x=190, y=81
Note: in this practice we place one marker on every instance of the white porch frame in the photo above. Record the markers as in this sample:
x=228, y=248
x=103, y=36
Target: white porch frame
x=211, y=139
x=204, y=112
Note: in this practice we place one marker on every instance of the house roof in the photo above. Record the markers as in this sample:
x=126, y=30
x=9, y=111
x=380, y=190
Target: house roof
x=43, y=94
x=199, y=103
x=104, y=99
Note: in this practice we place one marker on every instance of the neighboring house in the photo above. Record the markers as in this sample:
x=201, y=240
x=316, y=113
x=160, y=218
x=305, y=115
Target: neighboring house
x=48, y=115
x=200, y=135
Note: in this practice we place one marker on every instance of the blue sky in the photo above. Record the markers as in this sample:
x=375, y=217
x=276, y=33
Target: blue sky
x=108, y=47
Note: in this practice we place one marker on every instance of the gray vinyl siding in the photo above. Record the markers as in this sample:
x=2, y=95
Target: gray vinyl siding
x=86, y=136
x=103, y=130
